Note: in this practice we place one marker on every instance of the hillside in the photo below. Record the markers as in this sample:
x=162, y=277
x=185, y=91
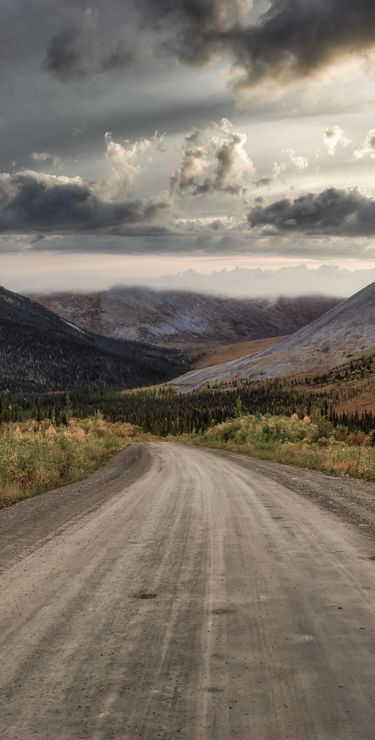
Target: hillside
x=345, y=332
x=41, y=351
x=183, y=319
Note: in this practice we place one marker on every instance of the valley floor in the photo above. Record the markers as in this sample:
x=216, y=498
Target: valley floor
x=235, y=350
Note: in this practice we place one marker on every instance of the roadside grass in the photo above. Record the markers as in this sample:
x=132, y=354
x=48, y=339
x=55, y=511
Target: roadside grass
x=306, y=443
x=39, y=456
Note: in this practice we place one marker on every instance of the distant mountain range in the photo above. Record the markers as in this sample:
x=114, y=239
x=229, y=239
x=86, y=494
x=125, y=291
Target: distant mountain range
x=132, y=337
x=41, y=351
x=344, y=333
x=184, y=319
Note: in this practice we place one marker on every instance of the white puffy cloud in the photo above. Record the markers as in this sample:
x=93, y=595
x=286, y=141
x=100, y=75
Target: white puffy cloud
x=214, y=161
x=277, y=169
x=368, y=149
x=195, y=160
x=125, y=165
x=334, y=137
x=233, y=164
x=300, y=162
x=46, y=158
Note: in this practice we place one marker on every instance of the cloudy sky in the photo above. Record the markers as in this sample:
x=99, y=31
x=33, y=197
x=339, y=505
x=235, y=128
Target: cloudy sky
x=141, y=139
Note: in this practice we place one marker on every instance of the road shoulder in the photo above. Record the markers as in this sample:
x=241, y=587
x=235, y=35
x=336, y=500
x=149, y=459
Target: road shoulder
x=29, y=523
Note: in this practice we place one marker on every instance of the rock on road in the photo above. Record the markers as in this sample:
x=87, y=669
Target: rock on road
x=187, y=593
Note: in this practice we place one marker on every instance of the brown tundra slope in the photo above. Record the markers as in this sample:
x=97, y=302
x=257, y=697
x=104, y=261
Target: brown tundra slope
x=344, y=333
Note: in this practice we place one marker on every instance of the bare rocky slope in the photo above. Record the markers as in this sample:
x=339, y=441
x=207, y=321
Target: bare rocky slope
x=344, y=333
x=41, y=351
x=182, y=319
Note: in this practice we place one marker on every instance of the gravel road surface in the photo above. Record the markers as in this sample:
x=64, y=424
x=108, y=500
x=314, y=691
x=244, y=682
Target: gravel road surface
x=187, y=593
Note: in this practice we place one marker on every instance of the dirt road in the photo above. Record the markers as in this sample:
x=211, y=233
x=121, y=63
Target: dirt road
x=183, y=593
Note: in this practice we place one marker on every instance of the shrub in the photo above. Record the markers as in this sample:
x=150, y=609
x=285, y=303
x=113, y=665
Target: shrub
x=37, y=457
x=341, y=433
x=298, y=442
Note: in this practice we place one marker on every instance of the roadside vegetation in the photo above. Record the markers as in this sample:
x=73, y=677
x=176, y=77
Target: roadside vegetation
x=325, y=423
x=37, y=456
x=307, y=443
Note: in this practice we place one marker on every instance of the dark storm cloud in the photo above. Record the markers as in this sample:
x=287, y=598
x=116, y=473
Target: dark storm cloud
x=89, y=42
x=299, y=37
x=332, y=212
x=72, y=52
x=194, y=29
x=294, y=38
x=32, y=202
x=86, y=46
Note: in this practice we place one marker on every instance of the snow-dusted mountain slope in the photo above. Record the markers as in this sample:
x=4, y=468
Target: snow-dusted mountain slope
x=183, y=318
x=345, y=332
x=42, y=351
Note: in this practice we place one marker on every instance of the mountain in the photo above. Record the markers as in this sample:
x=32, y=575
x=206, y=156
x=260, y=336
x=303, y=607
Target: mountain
x=344, y=333
x=184, y=319
x=41, y=351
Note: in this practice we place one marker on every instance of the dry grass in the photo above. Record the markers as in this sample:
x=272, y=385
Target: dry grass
x=363, y=397
x=36, y=457
x=301, y=442
x=227, y=352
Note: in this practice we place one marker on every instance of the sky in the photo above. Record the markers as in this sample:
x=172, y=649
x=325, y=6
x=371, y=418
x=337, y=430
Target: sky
x=172, y=142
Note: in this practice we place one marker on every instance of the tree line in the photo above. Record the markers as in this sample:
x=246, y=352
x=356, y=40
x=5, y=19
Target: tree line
x=164, y=411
